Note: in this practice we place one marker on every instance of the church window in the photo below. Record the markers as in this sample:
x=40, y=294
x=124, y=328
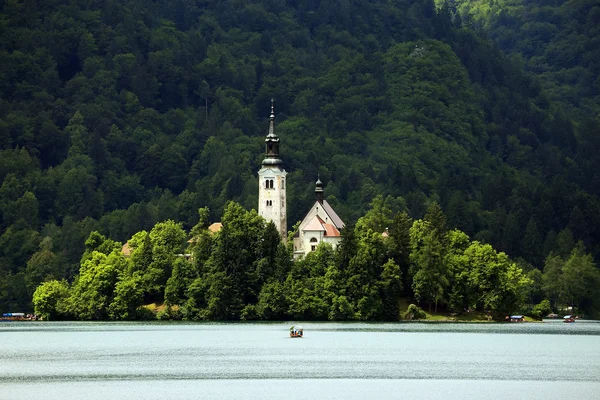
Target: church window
x=313, y=247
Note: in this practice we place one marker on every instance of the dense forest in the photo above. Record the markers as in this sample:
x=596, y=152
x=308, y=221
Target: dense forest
x=117, y=116
x=555, y=40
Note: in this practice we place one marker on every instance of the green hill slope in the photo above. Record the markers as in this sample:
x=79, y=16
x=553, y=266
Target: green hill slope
x=116, y=115
x=556, y=40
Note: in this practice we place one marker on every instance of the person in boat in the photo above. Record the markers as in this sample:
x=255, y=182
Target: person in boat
x=295, y=332
x=568, y=318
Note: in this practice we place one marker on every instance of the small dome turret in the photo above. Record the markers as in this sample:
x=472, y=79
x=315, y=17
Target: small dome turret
x=319, y=190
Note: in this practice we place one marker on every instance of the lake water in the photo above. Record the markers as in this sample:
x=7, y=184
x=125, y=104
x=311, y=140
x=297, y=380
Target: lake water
x=54, y=360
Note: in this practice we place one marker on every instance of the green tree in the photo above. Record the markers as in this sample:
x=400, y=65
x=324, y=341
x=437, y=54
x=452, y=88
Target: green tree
x=580, y=281
x=43, y=265
x=49, y=299
x=128, y=296
x=498, y=281
x=237, y=250
x=78, y=134
x=390, y=285
x=552, y=278
x=272, y=301
x=399, y=246
x=93, y=290
x=430, y=276
x=462, y=295
x=181, y=278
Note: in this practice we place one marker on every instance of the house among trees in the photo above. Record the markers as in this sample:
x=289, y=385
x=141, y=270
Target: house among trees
x=321, y=224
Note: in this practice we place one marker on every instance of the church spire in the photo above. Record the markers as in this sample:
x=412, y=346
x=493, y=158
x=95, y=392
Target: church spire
x=319, y=190
x=271, y=133
x=272, y=142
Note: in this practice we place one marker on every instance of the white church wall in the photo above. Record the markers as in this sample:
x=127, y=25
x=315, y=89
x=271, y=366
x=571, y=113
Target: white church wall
x=272, y=197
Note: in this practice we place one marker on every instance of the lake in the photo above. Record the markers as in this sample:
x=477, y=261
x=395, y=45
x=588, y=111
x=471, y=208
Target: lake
x=89, y=360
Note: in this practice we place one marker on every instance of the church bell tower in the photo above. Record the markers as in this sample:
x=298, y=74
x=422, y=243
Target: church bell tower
x=271, y=182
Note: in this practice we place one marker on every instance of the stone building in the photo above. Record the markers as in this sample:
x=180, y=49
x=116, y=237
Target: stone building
x=271, y=182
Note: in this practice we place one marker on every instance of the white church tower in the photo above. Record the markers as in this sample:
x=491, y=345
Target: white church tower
x=271, y=182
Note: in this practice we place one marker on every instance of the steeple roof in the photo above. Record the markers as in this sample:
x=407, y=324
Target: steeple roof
x=272, y=142
x=271, y=135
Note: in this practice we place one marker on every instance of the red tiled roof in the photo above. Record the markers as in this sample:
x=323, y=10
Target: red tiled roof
x=331, y=230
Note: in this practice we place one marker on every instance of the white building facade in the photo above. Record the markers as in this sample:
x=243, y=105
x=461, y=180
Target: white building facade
x=320, y=225
x=271, y=183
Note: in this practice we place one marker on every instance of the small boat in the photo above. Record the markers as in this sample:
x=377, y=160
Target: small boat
x=18, y=316
x=568, y=318
x=516, y=318
x=296, y=331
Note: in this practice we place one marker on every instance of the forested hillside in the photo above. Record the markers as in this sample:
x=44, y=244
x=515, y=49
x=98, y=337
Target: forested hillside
x=556, y=40
x=116, y=115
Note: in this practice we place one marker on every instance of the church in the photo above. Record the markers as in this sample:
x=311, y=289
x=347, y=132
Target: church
x=321, y=223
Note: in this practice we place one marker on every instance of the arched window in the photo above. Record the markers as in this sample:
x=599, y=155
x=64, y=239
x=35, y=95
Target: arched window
x=313, y=244
x=271, y=183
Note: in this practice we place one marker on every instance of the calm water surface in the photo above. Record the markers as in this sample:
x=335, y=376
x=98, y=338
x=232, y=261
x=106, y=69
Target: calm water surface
x=549, y=360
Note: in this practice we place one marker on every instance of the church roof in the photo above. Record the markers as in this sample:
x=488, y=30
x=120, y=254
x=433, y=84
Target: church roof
x=315, y=224
x=337, y=221
x=331, y=230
